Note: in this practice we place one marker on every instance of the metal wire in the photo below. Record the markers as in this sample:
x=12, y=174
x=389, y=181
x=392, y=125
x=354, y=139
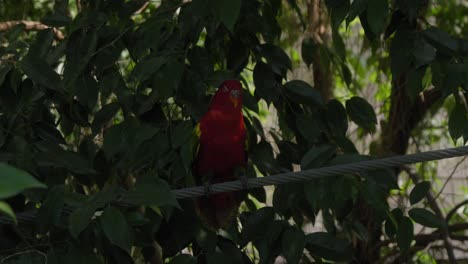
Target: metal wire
x=282, y=178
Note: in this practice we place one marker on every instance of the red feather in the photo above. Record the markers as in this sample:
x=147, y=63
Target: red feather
x=221, y=151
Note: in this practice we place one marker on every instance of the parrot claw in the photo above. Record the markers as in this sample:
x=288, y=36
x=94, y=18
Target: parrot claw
x=208, y=189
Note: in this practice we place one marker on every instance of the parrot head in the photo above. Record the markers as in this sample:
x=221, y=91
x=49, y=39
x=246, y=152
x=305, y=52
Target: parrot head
x=229, y=95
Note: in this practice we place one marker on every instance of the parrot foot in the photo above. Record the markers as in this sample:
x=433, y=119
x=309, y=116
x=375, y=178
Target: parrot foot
x=208, y=189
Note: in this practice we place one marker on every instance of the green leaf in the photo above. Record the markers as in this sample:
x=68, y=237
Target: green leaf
x=425, y=218
x=13, y=181
x=458, y=121
x=405, y=233
x=116, y=228
x=361, y=113
x=327, y=246
x=377, y=12
x=419, y=192
x=308, y=49
x=292, y=244
x=40, y=72
x=183, y=259
x=301, y=92
x=6, y=209
x=229, y=12
x=317, y=156
x=151, y=191
x=266, y=86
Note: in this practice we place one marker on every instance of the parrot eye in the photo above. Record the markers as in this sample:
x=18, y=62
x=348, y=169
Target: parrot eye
x=235, y=93
x=225, y=89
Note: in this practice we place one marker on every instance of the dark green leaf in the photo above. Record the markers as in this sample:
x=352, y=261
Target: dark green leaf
x=151, y=191
x=104, y=115
x=414, y=82
x=40, y=72
x=423, y=54
x=42, y=44
x=347, y=76
x=327, y=246
x=292, y=244
x=277, y=58
x=317, y=156
x=146, y=67
x=56, y=20
x=116, y=228
x=181, y=134
x=228, y=12
x=425, y=218
x=50, y=211
x=80, y=218
x=308, y=127
x=405, y=233
x=167, y=79
x=88, y=18
x=301, y=92
x=441, y=40
x=377, y=12
x=256, y=220
x=362, y=113
x=183, y=259
x=266, y=86
x=419, y=192
x=357, y=7
x=13, y=181
x=336, y=118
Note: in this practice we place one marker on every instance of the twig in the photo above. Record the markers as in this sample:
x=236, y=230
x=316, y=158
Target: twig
x=454, y=210
x=25, y=252
x=450, y=177
x=141, y=9
x=30, y=26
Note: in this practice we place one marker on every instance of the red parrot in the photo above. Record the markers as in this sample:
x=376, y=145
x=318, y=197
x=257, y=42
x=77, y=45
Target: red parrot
x=221, y=153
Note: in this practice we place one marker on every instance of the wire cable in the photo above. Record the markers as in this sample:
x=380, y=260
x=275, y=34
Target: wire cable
x=282, y=178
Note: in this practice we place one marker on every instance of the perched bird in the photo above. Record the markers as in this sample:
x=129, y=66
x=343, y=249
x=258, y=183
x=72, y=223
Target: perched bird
x=221, y=154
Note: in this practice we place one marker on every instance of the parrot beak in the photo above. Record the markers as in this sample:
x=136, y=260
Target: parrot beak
x=234, y=101
x=234, y=97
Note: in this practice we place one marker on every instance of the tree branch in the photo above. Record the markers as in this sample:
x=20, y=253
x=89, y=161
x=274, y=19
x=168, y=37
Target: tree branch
x=30, y=26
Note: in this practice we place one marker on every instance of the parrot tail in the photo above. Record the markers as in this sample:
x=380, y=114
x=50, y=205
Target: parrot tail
x=218, y=210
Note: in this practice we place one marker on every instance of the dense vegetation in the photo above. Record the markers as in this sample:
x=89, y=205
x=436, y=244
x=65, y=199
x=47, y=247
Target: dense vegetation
x=98, y=100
